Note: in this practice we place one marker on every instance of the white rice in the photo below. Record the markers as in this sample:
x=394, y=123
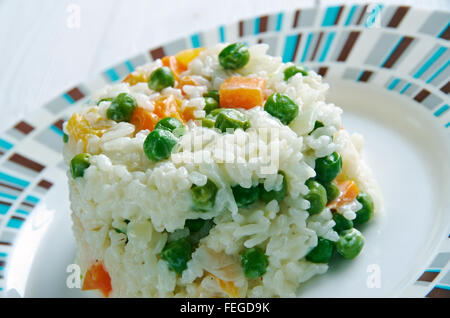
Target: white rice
x=122, y=183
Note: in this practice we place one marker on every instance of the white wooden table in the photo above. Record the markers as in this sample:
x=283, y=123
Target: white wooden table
x=49, y=46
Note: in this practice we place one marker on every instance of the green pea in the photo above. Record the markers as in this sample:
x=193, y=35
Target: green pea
x=317, y=196
x=79, y=164
x=65, y=138
x=350, y=243
x=332, y=191
x=292, y=70
x=210, y=104
x=234, y=56
x=254, y=262
x=317, y=124
x=204, y=196
x=342, y=223
x=214, y=94
x=159, y=144
x=322, y=252
x=366, y=212
x=267, y=196
x=327, y=168
x=121, y=108
x=106, y=99
x=171, y=124
x=281, y=107
x=229, y=118
x=245, y=196
x=177, y=254
x=161, y=78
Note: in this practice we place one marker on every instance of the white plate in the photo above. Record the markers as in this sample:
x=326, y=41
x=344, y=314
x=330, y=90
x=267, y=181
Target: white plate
x=406, y=130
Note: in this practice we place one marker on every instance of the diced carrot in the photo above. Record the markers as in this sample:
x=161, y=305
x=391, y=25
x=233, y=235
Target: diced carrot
x=80, y=129
x=242, y=92
x=185, y=57
x=348, y=192
x=227, y=287
x=133, y=79
x=176, y=67
x=186, y=80
x=188, y=114
x=168, y=107
x=97, y=278
x=143, y=119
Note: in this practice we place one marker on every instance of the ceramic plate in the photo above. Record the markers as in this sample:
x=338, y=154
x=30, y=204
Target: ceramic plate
x=388, y=68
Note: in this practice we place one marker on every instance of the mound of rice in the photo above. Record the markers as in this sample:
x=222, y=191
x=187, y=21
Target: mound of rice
x=126, y=207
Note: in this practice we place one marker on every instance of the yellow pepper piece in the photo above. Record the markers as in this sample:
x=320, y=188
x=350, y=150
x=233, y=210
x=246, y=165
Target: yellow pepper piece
x=186, y=56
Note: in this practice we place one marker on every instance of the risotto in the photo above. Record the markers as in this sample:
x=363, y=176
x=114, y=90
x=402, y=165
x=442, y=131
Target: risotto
x=217, y=172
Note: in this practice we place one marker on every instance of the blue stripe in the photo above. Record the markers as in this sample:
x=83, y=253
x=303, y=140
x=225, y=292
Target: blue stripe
x=430, y=61
x=256, y=26
x=305, y=51
x=14, y=223
x=195, y=41
x=56, y=130
x=441, y=110
x=330, y=16
x=5, y=145
x=1, y=268
x=112, y=75
x=31, y=198
x=376, y=10
x=3, y=254
x=443, y=67
x=222, y=33
x=8, y=178
x=392, y=51
x=8, y=196
x=4, y=208
x=433, y=270
x=359, y=77
x=394, y=83
x=442, y=287
x=327, y=46
x=68, y=98
x=129, y=66
x=279, y=21
x=289, y=48
x=350, y=15
x=443, y=30
x=22, y=211
x=447, y=125
x=405, y=88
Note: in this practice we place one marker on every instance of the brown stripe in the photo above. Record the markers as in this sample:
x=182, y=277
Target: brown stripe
x=45, y=184
x=157, y=53
x=322, y=71
x=4, y=243
x=75, y=94
x=446, y=34
x=28, y=163
x=351, y=39
x=28, y=204
x=59, y=124
x=446, y=88
x=401, y=47
x=437, y=292
x=398, y=16
x=339, y=15
x=421, y=95
x=5, y=203
x=1, y=153
x=428, y=276
x=24, y=127
x=2, y=263
x=241, y=29
x=296, y=18
x=363, y=11
x=263, y=23
x=365, y=76
x=299, y=37
x=317, y=46
x=10, y=186
x=260, y=41
x=17, y=218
